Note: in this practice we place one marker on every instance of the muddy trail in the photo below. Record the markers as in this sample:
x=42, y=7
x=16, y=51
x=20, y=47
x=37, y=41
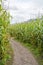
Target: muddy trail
x=22, y=56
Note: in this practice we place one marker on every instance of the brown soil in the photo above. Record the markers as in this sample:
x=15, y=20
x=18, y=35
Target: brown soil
x=22, y=56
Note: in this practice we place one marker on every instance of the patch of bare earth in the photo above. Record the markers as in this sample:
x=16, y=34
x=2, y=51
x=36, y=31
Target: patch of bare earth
x=21, y=55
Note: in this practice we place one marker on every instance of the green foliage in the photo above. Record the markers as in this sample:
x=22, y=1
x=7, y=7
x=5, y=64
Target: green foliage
x=31, y=32
x=4, y=22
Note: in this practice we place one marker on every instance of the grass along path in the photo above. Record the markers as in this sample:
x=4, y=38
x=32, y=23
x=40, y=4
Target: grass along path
x=21, y=55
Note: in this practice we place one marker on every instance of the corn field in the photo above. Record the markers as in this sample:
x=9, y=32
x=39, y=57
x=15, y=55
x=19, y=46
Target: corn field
x=30, y=32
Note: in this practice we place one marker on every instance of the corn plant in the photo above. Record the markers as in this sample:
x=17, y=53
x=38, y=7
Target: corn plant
x=4, y=22
x=30, y=32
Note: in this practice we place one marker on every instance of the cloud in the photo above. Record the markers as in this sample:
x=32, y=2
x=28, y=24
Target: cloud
x=22, y=10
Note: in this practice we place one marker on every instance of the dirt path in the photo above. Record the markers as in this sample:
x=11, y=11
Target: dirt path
x=21, y=55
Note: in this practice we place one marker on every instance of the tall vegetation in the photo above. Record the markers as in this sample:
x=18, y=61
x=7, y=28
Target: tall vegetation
x=4, y=22
x=30, y=32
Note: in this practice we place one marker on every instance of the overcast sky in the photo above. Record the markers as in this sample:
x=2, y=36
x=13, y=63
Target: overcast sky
x=22, y=10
